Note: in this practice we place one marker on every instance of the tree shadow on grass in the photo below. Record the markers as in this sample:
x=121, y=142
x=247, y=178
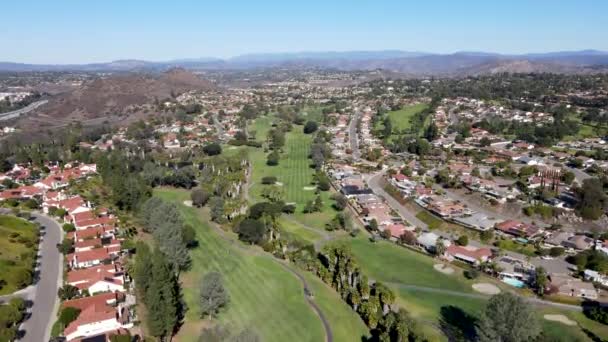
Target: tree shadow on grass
x=456, y=324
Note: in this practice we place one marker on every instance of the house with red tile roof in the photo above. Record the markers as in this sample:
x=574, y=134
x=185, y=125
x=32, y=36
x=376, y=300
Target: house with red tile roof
x=99, y=314
x=93, y=232
x=93, y=222
x=93, y=257
x=469, y=254
x=102, y=278
x=89, y=244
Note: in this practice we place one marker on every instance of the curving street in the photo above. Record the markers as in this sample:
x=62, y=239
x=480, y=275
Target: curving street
x=47, y=279
x=19, y=112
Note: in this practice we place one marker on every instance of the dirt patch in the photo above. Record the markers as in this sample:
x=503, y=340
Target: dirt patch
x=309, y=188
x=486, y=288
x=560, y=319
x=188, y=203
x=443, y=269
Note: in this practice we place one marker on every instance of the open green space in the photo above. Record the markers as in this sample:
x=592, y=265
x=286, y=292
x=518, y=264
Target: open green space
x=415, y=282
x=263, y=294
x=401, y=119
x=293, y=173
x=18, y=244
x=299, y=232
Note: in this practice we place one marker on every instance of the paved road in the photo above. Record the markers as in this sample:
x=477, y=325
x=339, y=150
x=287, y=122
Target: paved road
x=374, y=184
x=19, y=112
x=218, y=126
x=44, y=292
x=353, y=136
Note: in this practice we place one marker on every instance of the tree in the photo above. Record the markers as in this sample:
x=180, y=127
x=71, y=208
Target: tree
x=408, y=238
x=67, y=292
x=252, y=231
x=188, y=235
x=462, y=240
x=323, y=183
x=199, y=197
x=432, y=132
x=340, y=201
x=68, y=315
x=310, y=127
x=216, y=206
x=556, y=251
x=273, y=158
x=592, y=199
x=68, y=227
x=373, y=224
x=213, y=295
x=388, y=127
x=568, y=177
x=269, y=180
x=485, y=141
x=162, y=298
x=439, y=247
x=508, y=318
x=541, y=280
x=212, y=149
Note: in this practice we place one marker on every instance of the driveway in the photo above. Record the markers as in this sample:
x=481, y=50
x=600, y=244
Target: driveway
x=47, y=279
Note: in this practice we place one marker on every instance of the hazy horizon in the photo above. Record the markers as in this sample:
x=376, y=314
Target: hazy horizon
x=42, y=32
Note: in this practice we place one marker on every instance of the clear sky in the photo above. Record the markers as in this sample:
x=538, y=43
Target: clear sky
x=82, y=31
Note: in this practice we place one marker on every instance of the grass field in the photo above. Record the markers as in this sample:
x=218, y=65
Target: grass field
x=293, y=172
x=264, y=295
x=403, y=270
x=400, y=119
x=18, y=243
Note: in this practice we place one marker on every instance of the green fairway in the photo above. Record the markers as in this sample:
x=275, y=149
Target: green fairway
x=18, y=243
x=263, y=294
x=298, y=231
x=293, y=173
x=405, y=270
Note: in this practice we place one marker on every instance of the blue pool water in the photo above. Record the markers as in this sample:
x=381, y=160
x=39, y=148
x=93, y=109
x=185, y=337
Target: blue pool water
x=514, y=282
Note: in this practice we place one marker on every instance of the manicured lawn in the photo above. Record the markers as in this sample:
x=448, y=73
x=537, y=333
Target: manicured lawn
x=394, y=265
x=264, y=295
x=390, y=263
x=297, y=231
x=293, y=173
x=18, y=244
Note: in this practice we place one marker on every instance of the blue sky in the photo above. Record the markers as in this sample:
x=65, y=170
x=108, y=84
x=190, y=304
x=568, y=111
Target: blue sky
x=79, y=31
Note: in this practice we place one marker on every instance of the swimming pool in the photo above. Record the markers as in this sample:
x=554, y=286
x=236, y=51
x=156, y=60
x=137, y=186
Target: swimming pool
x=514, y=282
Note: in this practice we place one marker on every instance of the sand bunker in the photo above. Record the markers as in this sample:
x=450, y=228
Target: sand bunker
x=309, y=188
x=188, y=203
x=278, y=184
x=486, y=288
x=443, y=268
x=560, y=318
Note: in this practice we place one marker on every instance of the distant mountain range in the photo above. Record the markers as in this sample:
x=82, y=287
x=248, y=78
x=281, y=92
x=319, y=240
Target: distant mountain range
x=405, y=62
